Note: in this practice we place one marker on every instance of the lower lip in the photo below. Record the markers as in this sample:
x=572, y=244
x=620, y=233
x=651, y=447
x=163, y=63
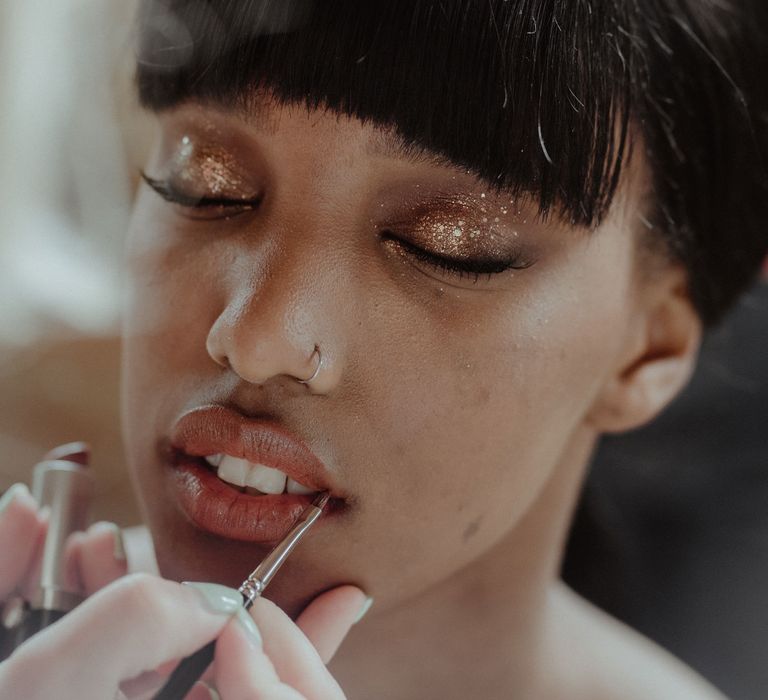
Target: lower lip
x=218, y=508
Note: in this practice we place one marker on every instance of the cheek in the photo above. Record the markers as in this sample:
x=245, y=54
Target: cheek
x=173, y=289
x=494, y=397
x=170, y=304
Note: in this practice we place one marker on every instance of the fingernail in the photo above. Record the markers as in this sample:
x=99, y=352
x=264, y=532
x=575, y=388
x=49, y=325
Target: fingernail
x=118, y=546
x=210, y=688
x=78, y=452
x=251, y=630
x=14, y=610
x=363, y=610
x=119, y=550
x=218, y=598
x=18, y=490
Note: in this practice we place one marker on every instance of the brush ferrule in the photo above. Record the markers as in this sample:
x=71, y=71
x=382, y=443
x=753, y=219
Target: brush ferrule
x=251, y=589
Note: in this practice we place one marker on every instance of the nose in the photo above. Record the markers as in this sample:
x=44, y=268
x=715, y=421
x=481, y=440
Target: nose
x=276, y=323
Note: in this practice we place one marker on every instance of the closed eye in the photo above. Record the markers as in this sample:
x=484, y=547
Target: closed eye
x=207, y=207
x=461, y=267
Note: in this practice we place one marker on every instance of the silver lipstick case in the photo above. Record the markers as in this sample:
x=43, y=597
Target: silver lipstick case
x=65, y=489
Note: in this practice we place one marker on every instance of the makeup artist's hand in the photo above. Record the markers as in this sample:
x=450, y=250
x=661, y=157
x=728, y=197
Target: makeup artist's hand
x=141, y=623
x=290, y=662
x=94, y=558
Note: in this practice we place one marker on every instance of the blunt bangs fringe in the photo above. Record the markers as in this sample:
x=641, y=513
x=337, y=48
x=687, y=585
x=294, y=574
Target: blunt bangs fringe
x=533, y=96
x=520, y=93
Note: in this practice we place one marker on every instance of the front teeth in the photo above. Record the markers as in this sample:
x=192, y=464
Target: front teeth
x=297, y=488
x=233, y=470
x=240, y=472
x=265, y=479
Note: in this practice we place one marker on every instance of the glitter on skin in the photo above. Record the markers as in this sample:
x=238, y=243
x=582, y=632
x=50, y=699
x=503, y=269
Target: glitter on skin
x=458, y=226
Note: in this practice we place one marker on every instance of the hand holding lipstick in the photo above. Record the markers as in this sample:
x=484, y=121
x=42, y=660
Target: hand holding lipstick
x=52, y=559
x=134, y=629
x=123, y=641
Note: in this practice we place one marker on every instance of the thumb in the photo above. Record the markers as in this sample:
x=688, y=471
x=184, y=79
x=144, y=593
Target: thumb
x=329, y=617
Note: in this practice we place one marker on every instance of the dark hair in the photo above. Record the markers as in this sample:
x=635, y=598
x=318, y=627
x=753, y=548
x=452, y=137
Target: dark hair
x=537, y=96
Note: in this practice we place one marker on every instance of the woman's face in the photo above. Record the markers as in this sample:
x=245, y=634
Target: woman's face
x=447, y=398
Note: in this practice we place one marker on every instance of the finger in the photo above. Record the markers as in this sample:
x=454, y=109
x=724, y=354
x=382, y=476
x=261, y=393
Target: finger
x=101, y=556
x=147, y=685
x=71, y=567
x=140, y=550
x=328, y=618
x=30, y=584
x=20, y=529
x=295, y=659
x=203, y=691
x=149, y=682
x=132, y=625
x=245, y=672
x=77, y=452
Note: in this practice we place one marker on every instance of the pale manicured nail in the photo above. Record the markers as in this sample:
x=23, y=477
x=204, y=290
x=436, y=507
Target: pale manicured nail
x=251, y=630
x=218, y=598
x=18, y=490
x=118, y=547
x=363, y=610
x=119, y=550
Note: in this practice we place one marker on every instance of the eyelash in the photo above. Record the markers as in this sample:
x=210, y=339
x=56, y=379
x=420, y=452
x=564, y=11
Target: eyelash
x=170, y=194
x=459, y=267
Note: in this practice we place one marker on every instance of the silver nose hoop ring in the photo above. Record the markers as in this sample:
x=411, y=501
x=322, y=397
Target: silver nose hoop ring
x=317, y=352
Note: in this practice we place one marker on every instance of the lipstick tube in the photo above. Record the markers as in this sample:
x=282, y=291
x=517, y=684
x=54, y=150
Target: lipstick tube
x=65, y=490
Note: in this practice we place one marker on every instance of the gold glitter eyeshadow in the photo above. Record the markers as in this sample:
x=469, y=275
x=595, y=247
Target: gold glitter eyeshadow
x=207, y=170
x=465, y=225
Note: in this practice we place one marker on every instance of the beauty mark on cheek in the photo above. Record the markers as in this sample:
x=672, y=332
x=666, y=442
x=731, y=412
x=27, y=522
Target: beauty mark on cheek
x=472, y=529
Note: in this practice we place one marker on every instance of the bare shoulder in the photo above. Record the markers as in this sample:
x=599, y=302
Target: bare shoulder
x=603, y=659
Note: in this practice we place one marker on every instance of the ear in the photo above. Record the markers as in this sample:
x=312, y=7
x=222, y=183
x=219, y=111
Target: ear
x=657, y=360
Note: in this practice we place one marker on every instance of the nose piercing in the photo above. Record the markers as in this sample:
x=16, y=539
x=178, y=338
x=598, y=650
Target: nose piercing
x=319, y=365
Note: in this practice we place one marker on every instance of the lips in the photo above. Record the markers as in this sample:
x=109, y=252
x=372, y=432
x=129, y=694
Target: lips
x=226, y=510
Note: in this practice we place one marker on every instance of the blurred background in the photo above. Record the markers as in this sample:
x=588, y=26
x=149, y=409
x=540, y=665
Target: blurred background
x=71, y=142
x=672, y=535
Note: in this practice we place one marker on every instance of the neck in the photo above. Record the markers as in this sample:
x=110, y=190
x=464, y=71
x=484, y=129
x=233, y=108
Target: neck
x=480, y=633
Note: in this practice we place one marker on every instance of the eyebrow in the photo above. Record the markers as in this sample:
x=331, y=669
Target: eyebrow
x=387, y=143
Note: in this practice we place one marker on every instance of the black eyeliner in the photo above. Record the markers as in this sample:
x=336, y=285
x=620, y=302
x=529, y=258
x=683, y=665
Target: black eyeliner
x=471, y=266
x=174, y=196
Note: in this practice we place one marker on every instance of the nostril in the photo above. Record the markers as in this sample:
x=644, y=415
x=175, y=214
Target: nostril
x=222, y=361
x=216, y=351
x=257, y=345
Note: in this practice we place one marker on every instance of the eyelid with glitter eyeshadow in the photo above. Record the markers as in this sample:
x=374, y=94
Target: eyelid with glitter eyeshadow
x=201, y=207
x=460, y=267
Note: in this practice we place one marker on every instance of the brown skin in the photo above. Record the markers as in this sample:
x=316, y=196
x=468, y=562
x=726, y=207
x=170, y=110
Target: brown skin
x=458, y=415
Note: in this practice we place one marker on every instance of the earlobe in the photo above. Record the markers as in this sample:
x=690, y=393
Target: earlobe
x=661, y=359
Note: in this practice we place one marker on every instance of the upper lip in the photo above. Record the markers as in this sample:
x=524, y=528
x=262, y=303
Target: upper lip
x=209, y=430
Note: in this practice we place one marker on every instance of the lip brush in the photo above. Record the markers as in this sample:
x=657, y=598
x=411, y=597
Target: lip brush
x=190, y=669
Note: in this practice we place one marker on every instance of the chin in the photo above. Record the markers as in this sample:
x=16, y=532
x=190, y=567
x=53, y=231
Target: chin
x=187, y=554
